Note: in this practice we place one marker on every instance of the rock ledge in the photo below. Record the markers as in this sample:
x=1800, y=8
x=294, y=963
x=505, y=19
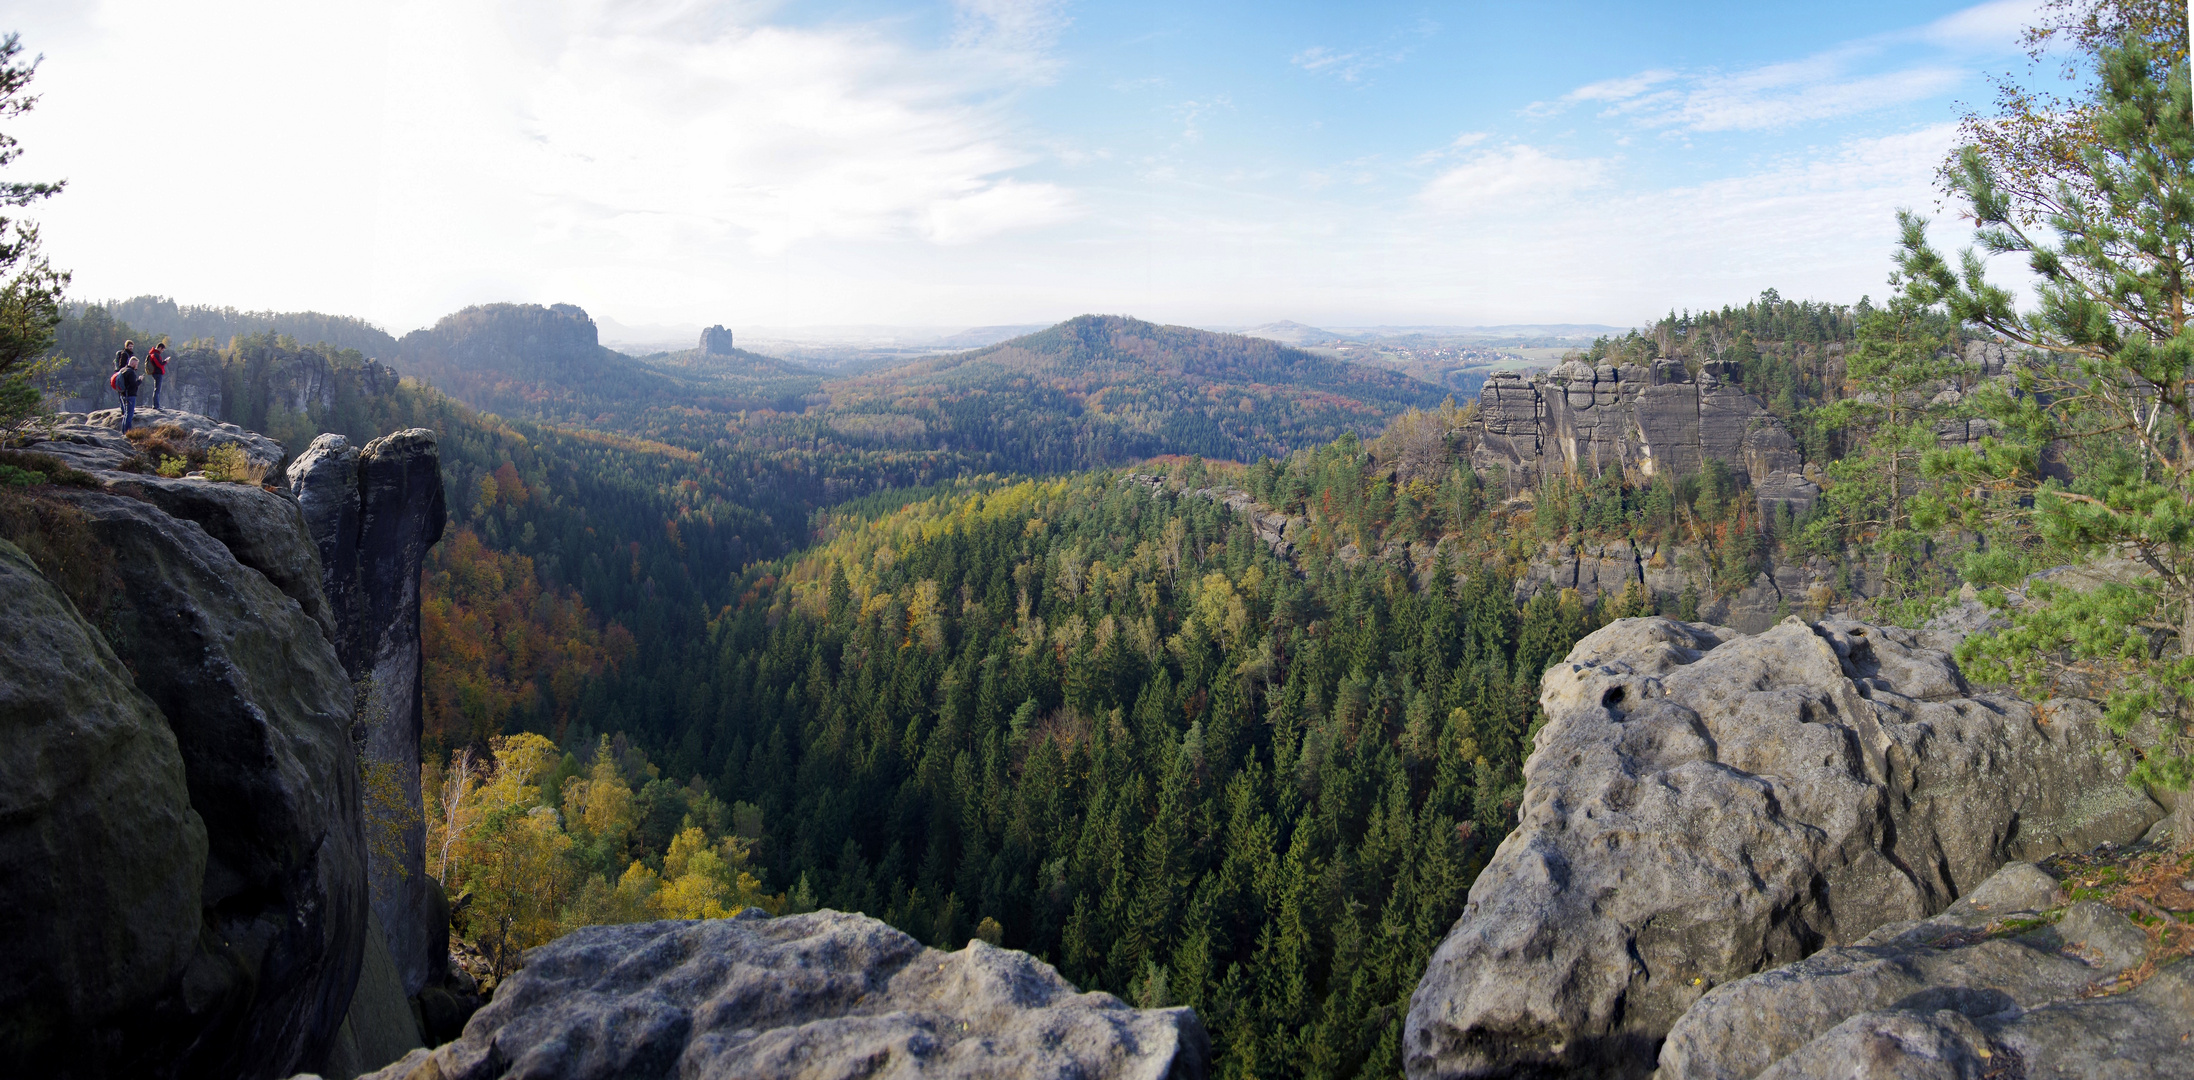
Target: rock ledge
x=826, y=994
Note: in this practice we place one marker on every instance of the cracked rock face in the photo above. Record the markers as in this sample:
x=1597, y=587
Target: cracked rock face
x=188, y=743
x=1988, y=988
x=822, y=995
x=1703, y=805
x=373, y=513
x=1636, y=418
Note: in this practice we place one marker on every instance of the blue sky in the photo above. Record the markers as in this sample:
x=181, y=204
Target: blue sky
x=987, y=161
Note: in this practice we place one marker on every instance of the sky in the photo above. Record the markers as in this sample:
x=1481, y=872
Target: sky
x=971, y=162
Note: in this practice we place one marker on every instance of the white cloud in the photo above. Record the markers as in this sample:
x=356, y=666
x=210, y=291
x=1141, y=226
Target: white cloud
x=1626, y=88
x=1818, y=224
x=1996, y=24
x=1509, y=178
x=523, y=146
x=1824, y=86
x=1016, y=34
x=1353, y=64
x=1849, y=79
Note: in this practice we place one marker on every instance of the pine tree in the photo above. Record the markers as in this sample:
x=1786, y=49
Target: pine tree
x=2113, y=329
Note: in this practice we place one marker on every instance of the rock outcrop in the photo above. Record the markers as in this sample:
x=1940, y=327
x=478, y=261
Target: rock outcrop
x=1702, y=805
x=820, y=995
x=95, y=440
x=1641, y=421
x=96, y=934
x=223, y=934
x=2003, y=983
x=372, y=514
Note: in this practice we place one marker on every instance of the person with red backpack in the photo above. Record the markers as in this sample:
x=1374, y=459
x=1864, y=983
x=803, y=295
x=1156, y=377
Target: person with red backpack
x=156, y=362
x=125, y=382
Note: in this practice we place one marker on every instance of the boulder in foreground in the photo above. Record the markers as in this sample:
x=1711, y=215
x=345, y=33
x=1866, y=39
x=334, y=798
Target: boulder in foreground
x=822, y=995
x=1703, y=805
x=2010, y=981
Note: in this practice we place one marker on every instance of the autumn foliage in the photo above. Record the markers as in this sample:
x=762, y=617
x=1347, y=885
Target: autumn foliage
x=502, y=651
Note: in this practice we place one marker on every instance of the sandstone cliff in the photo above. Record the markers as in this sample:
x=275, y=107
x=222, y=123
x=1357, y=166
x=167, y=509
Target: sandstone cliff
x=372, y=515
x=1640, y=421
x=2012, y=980
x=1702, y=805
x=184, y=852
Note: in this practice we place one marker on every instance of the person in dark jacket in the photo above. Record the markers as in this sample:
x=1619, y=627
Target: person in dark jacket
x=126, y=383
x=124, y=355
x=156, y=365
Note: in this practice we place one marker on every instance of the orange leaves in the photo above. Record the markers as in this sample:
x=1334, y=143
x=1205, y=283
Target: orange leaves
x=496, y=642
x=512, y=489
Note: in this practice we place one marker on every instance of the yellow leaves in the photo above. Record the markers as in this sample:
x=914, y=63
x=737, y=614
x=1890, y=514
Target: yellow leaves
x=1219, y=609
x=700, y=882
x=926, y=616
x=527, y=755
x=683, y=848
x=636, y=891
x=600, y=803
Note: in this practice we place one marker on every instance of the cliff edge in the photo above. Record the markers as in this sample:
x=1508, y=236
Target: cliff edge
x=183, y=852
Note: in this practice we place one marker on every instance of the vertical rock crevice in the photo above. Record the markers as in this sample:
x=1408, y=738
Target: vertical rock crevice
x=373, y=513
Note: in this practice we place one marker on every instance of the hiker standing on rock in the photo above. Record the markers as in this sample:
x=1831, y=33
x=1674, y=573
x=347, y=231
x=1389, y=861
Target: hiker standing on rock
x=125, y=383
x=156, y=362
x=124, y=355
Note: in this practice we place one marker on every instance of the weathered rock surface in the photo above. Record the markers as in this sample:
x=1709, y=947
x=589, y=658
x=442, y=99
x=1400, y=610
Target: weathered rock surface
x=265, y=534
x=372, y=514
x=1989, y=987
x=200, y=433
x=261, y=712
x=823, y=995
x=379, y=1028
x=85, y=446
x=1702, y=805
x=244, y=887
x=1643, y=421
x=97, y=933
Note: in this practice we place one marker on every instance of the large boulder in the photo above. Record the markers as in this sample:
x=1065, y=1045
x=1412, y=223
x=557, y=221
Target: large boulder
x=266, y=534
x=261, y=712
x=819, y=995
x=101, y=855
x=372, y=514
x=2010, y=981
x=1702, y=805
x=191, y=751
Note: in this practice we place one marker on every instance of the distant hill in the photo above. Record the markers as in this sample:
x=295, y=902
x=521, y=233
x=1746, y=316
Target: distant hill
x=975, y=337
x=1106, y=388
x=548, y=363
x=1091, y=391
x=1289, y=332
